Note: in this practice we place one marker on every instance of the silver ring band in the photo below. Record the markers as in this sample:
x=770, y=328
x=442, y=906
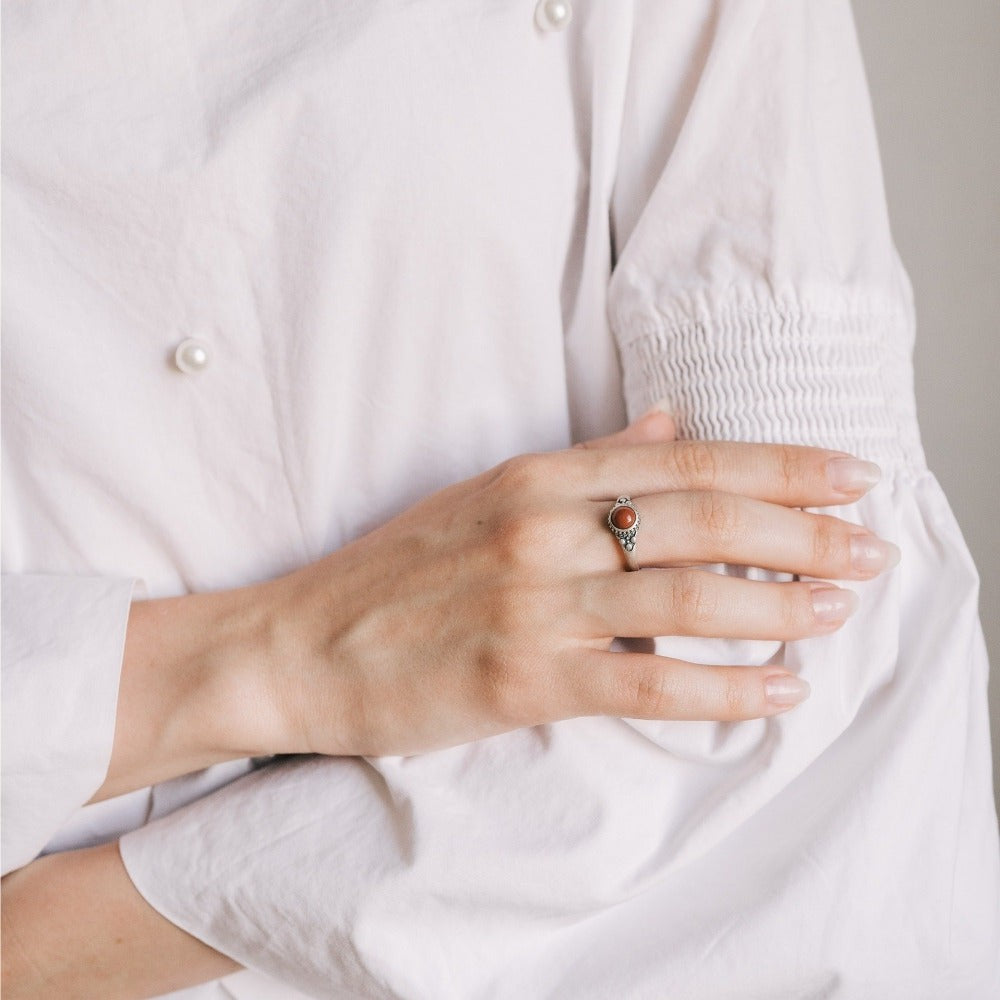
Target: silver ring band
x=623, y=520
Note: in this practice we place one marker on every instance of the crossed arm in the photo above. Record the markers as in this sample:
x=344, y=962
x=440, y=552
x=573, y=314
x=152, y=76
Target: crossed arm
x=74, y=926
x=306, y=663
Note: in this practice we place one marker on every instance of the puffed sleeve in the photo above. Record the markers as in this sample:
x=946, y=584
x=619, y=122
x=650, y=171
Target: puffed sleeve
x=847, y=847
x=758, y=292
x=63, y=638
x=757, y=287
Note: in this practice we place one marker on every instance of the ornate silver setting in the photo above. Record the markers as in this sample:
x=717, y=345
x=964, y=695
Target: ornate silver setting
x=626, y=536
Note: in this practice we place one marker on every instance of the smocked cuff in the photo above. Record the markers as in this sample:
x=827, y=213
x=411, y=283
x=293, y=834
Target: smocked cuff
x=840, y=380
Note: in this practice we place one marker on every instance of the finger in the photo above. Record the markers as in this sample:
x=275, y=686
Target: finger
x=793, y=475
x=704, y=526
x=696, y=602
x=654, y=425
x=648, y=686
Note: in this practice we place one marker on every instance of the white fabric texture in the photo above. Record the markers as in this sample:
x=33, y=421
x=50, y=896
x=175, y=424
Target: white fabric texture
x=62, y=654
x=417, y=239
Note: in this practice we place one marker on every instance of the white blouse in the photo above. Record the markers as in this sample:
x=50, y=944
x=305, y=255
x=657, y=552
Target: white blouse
x=276, y=271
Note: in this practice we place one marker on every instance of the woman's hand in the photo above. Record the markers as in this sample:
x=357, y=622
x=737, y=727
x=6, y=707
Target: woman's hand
x=489, y=606
x=492, y=604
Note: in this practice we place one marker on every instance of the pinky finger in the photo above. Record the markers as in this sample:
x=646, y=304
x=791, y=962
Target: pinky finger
x=649, y=686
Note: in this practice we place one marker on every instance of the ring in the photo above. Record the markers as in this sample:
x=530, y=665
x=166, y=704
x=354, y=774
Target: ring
x=623, y=520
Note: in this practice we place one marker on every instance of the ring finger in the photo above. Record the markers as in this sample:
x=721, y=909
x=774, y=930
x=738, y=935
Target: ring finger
x=689, y=527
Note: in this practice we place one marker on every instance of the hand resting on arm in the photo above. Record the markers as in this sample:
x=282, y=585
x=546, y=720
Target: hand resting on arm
x=492, y=604
x=489, y=606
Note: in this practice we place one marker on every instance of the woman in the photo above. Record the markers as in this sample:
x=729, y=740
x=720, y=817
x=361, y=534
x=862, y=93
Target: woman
x=319, y=265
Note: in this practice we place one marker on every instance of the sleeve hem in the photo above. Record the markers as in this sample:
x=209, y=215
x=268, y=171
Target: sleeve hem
x=783, y=373
x=64, y=639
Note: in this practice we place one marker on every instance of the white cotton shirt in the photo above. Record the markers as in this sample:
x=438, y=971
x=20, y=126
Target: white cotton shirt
x=409, y=241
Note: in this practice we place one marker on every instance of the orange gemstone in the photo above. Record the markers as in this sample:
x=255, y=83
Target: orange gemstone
x=623, y=518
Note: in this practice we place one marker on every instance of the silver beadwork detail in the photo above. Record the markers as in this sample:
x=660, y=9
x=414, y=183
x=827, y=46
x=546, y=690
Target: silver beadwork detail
x=624, y=535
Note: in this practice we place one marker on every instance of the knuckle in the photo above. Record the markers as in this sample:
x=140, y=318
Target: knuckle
x=718, y=515
x=603, y=464
x=738, y=698
x=523, y=474
x=789, y=469
x=652, y=695
x=694, y=463
x=797, y=614
x=829, y=544
x=695, y=601
x=519, y=539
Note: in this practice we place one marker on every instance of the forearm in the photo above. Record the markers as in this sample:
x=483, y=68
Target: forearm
x=75, y=926
x=194, y=686
x=196, y=689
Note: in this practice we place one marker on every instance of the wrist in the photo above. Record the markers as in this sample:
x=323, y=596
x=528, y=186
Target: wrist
x=314, y=624
x=193, y=688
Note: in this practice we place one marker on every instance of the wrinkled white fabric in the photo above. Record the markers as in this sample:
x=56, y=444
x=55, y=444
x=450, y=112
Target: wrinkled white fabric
x=416, y=239
x=62, y=654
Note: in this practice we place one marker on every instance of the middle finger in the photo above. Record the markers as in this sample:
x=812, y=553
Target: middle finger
x=695, y=602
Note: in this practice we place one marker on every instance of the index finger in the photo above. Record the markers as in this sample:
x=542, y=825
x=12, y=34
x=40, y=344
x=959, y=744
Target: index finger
x=789, y=474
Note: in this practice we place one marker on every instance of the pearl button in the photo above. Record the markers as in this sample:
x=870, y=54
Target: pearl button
x=553, y=15
x=191, y=356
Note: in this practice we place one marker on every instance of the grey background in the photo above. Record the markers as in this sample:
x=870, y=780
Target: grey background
x=935, y=83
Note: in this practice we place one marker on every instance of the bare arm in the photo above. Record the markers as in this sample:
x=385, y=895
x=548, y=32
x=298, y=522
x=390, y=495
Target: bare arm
x=74, y=926
x=191, y=691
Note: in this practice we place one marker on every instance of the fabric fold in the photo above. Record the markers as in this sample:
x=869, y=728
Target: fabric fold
x=63, y=640
x=460, y=873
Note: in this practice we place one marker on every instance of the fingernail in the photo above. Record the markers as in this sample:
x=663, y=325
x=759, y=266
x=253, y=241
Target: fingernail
x=661, y=406
x=833, y=604
x=871, y=554
x=851, y=475
x=786, y=689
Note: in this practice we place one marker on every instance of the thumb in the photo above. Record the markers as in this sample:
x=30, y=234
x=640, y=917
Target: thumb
x=656, y=424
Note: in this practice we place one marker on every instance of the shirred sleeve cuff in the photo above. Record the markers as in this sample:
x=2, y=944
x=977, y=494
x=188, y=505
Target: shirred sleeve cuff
x=63, y=642
x=787, y=370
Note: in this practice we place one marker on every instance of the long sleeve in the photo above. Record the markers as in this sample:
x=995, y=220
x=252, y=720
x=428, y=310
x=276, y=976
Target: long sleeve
x=847, y=848
x=63, y=638
x=757, y=287
x=758, y=291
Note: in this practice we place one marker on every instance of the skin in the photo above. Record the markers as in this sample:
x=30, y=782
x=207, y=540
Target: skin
x=430, y=632
x=74, y=927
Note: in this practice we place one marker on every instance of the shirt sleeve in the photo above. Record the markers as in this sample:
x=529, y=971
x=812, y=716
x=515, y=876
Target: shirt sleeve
x=758, y=292
x=757, y=289
x=63, y=640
